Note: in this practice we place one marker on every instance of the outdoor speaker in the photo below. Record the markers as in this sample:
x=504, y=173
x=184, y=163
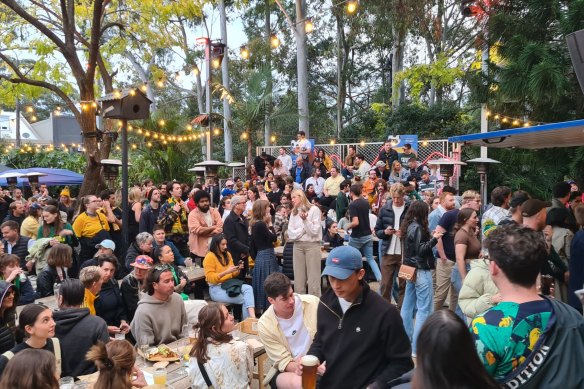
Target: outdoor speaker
x=576, y=47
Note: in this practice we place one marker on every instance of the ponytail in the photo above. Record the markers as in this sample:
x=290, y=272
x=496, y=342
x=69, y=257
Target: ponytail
x=114, y=362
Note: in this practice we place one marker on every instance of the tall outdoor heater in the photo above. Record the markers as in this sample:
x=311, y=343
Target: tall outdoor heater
x=129, y=104
x=211, y=170
x=11, y=178
x=33, y=179
x=199, y=174
x=111, y=171
x=482, y=168
x=446, y=167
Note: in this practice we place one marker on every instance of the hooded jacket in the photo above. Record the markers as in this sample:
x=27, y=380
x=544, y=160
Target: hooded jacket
x=365, y=346
x=77, y=331
x=557, y=359
x=109, y=304
x=477, y=289
x=130, y=288
x=7, y=321
x=159, y=321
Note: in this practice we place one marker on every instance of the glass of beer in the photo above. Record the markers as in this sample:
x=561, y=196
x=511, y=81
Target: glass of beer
x=160, y=376
x=309, y=366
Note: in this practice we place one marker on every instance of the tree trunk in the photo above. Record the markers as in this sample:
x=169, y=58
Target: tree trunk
x=225, y=75
x=269, y=81
x=397, y=58
x=302, y=69
x=341, y=79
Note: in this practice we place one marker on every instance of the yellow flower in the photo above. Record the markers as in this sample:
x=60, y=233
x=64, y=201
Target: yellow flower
x=490, y=358
x=533, y=337
x=505, y=322
x=478, y=320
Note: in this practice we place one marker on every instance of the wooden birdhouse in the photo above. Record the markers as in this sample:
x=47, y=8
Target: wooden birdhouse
x=128, y=104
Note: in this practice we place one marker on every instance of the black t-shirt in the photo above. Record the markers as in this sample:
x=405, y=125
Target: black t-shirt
x=23, y=346
x=360, y=209
x=447, y=221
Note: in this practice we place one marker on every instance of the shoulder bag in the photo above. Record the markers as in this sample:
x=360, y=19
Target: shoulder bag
x=205, y=375
x=406, y=272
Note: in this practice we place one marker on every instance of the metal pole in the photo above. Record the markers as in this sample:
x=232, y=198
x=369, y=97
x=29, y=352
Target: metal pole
x=208, y=96
x=17, y=127
x=125, y=212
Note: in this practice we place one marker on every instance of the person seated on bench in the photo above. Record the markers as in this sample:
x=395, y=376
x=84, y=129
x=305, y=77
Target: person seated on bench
x=221, y=275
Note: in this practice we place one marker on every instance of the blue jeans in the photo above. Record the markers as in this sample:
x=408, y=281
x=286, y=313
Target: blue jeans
x=365, y=245
x=456, y=280
x=418, y=295
x=245, y=298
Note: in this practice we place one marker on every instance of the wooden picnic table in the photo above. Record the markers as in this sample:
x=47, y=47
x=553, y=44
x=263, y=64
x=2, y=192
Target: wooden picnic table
x=177, y=377
x=194, y=273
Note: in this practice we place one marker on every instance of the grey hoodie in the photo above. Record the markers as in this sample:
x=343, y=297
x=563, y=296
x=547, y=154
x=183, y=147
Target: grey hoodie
x=159, y=321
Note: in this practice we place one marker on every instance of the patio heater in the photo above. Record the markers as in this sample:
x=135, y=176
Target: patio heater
x=482, y=168
x=33, y=179
x=234, y=166
x=11, y=178
x=199, y=174
x=211, y=170
x=446, y=167
x=111, y=171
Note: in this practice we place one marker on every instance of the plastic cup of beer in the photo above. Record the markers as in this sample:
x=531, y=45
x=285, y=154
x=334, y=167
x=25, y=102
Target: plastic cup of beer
x=159, y=376
x=309, y=365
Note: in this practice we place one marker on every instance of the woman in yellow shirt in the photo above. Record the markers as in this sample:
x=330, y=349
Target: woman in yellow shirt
x=219, y=268
x=92, y=279
x=90, y=226
x=30, y=225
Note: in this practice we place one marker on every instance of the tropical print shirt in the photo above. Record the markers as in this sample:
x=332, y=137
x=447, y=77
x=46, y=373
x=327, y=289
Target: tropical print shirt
x=508, y=333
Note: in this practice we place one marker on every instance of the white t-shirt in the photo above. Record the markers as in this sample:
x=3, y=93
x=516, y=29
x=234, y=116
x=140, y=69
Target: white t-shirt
x=395, y=245
x=295, y=331
x=286, y=161
x=344, y=304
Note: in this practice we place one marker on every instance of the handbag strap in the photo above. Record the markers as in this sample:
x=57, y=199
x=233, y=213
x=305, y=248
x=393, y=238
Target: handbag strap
x=205, y=375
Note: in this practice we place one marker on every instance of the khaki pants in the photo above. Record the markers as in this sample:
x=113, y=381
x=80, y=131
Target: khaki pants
x=307, y=265
x=389, y=266
x=444, y=285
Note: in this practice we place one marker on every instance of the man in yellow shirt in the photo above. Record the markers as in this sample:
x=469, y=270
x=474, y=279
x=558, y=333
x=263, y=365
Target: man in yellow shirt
x=332, y=186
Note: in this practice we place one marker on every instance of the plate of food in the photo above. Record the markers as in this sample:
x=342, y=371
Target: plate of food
x=161, y=353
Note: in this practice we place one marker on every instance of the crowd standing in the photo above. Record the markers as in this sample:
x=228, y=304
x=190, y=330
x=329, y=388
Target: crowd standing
x=370, y=252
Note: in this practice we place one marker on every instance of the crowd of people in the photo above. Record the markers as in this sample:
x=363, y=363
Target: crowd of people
x=374, y=312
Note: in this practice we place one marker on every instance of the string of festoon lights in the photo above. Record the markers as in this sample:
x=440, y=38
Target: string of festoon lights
x=511, y=121
x=151, y=136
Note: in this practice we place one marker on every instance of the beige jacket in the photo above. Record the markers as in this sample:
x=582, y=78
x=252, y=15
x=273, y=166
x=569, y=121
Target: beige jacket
x=477, y=289
x=273, y=339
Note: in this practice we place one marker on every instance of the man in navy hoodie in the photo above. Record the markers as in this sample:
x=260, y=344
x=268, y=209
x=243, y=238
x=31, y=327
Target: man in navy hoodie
x=360, y=339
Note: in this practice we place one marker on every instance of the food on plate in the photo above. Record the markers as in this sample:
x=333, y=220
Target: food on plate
x=161, y=352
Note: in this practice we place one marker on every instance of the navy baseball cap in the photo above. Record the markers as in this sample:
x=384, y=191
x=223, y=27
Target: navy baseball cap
x=342, y=262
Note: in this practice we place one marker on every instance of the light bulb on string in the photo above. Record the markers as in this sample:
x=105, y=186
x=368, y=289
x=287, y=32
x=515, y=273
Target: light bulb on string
x=515, y=122
x=216, y=63
x=308, y=26
x=351, y=7
x=196, y=71
x=216, y=131
x=274, y=42
x=161, y=123
x=29, y=109
x=189, y=127
x=244, y=52
x=144, y=88
x=273, y=138
x=332, y=142
x=160, y=83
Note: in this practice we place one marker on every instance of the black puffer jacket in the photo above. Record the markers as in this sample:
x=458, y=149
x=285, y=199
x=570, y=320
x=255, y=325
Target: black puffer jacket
x=8, y=321
x=287, y=260
x=418, y=248
x=386, y=219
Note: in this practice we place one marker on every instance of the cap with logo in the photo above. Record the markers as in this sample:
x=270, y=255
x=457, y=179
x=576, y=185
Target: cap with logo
x=142, y=262
x=532, y=206
x=342, y=262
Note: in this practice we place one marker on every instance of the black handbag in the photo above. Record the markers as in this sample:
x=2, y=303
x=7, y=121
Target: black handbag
x=232, y=287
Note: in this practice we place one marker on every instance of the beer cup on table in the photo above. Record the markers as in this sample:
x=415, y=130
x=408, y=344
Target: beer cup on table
x=309, y=366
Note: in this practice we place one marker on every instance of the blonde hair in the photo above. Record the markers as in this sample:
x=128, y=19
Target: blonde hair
x=135, y=195
x=304, y=203
x=90, y=275
x=397, y=190
x=469, y=196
